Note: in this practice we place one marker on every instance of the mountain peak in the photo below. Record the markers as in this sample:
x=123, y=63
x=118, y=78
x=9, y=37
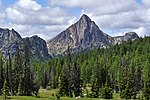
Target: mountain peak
x=130, y=33
x=79, y=36
x=85, y=18
x=84, y=35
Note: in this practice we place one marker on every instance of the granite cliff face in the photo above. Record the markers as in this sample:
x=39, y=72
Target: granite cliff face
x=8, y=36
x=37, y=47
x=126, y=37
x=81, y=35
x=10, y=40
x=84, y=35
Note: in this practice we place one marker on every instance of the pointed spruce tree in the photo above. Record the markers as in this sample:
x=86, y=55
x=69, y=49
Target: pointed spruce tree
x=1, y=73
x=5, y=90
x=16, y=72
x=27, y=79
x=146, y=89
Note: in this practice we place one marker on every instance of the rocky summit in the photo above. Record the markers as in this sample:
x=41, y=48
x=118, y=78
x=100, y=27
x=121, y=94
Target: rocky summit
x=126, y=37
x=38, y=47
x=10, y=41
x=84, y=35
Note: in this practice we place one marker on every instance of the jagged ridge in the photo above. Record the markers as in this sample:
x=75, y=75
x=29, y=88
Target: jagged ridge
x=82, y=35
x=10, y=40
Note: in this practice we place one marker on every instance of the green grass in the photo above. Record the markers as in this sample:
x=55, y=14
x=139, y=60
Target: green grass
x=50, y=95
x=116, y=96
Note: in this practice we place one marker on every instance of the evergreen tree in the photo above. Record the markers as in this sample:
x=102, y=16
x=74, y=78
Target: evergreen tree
x=70, y=78
x=53, y=77
x=19, y=90
x=127, y=85
x=77, y=80
x=5, y=90
x=27, y=79
x=16, y=72
x=9, y=73
x=138, y=79
x=7, y=78
x=106, y=91
x=64, y=83
x=70, y=72
x=97, y=77
x=44, y=77
x=95, y=89
x=146, y=90
x=100, y=75
x=1, y=73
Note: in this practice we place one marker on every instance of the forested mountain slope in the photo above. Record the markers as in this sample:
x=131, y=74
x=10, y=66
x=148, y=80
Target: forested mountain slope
x=125, y=67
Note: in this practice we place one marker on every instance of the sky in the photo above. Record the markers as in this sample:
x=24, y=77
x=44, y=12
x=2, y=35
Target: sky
x=47, y=18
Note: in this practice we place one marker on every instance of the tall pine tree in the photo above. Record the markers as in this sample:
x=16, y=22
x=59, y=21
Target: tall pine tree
x=1, y=73
x=16, y=72
x=5, y=90
x=146, y=90
x=27, y=79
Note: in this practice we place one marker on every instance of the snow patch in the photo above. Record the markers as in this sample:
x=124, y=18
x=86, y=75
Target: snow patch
x=71, y=36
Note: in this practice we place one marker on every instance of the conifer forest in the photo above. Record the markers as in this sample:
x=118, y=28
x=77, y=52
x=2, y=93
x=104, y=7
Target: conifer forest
x=122, y=69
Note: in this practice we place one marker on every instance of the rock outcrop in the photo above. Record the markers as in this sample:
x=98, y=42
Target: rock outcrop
x=84, y=35
x=126, y=37
x=37, y=47
x=81, y=35
x=10, y=40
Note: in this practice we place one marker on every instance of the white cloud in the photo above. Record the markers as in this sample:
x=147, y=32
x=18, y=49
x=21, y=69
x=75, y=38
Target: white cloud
x=29, y=17
x=2, y=14
x=118, y=20
x=121, y=16
x=118, y=34
x=43, y=16
x=146, y=3
x=0, y=4
x=29, y=4
x=43, y=36
x=48, y=31
x=75, y=3
x=101, y=4
x=112, y=7
x=141, y=31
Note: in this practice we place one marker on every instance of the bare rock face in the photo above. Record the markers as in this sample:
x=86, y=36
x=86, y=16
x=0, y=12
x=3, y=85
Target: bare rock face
x=79, y=36
x=10, y=41
x=126, y=37
x=37, y=47
x=8, y=36
x=84, y=35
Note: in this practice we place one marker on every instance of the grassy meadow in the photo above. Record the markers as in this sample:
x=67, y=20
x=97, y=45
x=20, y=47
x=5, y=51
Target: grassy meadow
x=49, y=95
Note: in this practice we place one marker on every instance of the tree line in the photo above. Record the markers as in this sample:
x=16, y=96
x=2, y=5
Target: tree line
x=123, y=68
x=16, y=77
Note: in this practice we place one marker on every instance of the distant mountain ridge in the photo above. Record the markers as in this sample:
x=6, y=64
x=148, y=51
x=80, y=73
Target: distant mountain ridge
x=10, y=40
x=82, y=35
